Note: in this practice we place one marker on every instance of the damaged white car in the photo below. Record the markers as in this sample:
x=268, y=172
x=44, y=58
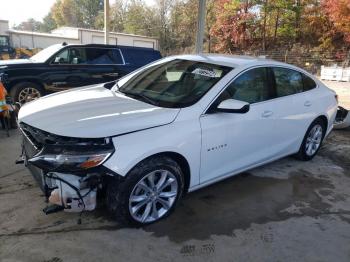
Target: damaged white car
x=171, y=127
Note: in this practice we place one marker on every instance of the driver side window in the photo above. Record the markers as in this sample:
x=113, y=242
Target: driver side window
x=62, y=57
x=73, y=55
x=250, y=87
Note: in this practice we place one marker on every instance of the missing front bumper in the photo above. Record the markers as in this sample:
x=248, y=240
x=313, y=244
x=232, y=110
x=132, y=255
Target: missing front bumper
x=72, y=192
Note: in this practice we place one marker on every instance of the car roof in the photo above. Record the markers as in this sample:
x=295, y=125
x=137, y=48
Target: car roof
x=230, y=60
x=111, y=46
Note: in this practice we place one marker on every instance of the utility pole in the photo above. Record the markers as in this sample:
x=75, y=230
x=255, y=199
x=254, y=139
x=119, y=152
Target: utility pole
x=106, y=18
x=201, y=24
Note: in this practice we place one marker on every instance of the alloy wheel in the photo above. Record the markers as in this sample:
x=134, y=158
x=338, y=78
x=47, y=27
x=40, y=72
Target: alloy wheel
x=313, y=140
x=28, y=94
x=153, y=196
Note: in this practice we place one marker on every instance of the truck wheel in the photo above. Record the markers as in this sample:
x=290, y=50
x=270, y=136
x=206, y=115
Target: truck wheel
x=149, y=192
x=26, y=91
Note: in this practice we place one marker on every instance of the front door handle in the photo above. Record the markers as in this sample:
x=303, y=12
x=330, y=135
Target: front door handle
x=267, y=114
x=307, y=103
x=112, y=74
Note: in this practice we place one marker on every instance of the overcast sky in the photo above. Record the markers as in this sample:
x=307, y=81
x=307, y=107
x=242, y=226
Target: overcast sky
x=17, y=11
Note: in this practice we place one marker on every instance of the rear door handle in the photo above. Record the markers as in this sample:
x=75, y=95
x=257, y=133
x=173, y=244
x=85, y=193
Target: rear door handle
x=307, y=103
x=267, y=114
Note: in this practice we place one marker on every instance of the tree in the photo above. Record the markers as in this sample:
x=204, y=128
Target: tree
x=236, y=25
x=63, y=13
x=76, y=13
x=183, y=25
x=118, y=16
x=87, y=11
x=210, y=21
x=48, y=23
x=30, y=25
x=339, y=13
x=139, y=18
x=231, y=25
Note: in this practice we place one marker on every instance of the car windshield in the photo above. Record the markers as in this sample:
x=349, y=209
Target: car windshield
x=46, y=53
x=175, y=84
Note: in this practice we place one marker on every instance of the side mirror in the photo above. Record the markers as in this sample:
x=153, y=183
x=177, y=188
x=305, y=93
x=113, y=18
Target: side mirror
x=233, y=106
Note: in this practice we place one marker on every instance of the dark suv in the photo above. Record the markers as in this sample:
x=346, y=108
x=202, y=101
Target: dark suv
x=63, y=66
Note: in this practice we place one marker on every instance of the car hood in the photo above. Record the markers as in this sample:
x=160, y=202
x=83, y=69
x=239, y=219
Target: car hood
x=93, y=112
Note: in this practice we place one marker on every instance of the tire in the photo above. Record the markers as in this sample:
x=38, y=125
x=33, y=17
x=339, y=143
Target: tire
x=305, y=153
x=24, y=92
x=120, y=193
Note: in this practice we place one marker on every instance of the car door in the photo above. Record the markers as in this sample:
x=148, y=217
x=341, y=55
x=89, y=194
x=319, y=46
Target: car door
x=232, y=142
x=103, y=64
x=58, y=74
x=293, y=109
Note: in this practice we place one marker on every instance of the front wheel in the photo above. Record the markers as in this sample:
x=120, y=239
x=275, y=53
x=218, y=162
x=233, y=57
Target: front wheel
x=312, y=141
x=149, y=193
x=25, y=92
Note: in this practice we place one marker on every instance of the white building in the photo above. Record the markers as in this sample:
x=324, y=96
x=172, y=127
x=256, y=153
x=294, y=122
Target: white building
x=71, y=35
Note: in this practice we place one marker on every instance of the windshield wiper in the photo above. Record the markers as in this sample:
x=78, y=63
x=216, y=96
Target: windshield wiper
x=142, y=96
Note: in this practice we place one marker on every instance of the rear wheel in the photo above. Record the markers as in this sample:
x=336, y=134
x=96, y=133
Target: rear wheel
x=149, y=193
x=25, y=92
x=312, y=140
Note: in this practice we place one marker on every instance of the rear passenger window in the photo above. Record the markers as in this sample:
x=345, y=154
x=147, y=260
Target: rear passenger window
x=103, y=56
x=139, y=56
x=288, y=82
x=308, y=83
x=250, y=87
x=117, y=57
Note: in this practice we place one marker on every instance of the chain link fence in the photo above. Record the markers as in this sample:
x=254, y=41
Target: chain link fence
x=308, y=60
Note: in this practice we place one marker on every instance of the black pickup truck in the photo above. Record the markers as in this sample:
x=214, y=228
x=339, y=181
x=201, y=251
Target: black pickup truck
x=64, y=66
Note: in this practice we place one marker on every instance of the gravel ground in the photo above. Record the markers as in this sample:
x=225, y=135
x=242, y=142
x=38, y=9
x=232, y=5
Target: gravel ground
x=285, y=211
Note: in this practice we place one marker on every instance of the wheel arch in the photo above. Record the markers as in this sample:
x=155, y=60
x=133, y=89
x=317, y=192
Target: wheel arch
x=324, y=119
x=14, y=82
x=180, y=160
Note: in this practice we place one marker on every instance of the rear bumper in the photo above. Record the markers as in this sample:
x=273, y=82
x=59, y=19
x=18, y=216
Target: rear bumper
x=342, y=119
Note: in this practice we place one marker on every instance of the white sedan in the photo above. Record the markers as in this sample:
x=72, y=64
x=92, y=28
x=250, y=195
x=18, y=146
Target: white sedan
x=171, y=127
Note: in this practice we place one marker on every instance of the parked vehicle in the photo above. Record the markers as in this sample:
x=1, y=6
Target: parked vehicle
x=8, y=52
x=63, y=66
x=172, y=127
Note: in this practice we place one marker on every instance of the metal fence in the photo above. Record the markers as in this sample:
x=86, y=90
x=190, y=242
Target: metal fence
x=309, y=60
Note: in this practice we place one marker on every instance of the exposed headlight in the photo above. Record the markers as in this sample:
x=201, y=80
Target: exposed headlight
x=71, y=159
x=68, y=163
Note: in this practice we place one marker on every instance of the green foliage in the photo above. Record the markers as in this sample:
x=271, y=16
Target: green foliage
x=231, y=25
x=77, y=13
x=48, y=23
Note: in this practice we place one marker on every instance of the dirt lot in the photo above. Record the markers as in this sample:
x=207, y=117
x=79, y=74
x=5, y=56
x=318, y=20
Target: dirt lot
x=285, y=211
